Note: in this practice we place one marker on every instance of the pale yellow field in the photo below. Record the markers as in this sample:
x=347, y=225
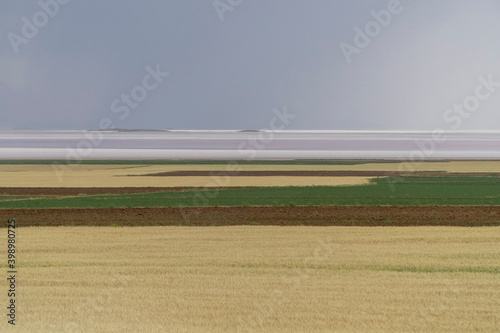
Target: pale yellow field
x=257, y=279
x=134, y=169
x=119, y=178
x=116, y=175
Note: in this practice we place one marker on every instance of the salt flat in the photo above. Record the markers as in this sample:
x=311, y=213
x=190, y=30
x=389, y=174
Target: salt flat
x=403, y=145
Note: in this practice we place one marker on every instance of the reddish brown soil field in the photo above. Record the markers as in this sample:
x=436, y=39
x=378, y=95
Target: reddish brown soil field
x=343, y=173
x=286, y=216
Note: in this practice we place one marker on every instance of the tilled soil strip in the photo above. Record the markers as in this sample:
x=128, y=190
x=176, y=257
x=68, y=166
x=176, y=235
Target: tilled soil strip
x=284, y=216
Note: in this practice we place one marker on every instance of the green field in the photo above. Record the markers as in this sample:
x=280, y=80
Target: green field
x=411, y=191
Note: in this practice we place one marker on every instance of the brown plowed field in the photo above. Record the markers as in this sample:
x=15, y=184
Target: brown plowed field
x=306, y=173
x=289, y=216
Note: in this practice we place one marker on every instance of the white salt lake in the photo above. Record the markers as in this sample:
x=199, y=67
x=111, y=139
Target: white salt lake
x=248, y=145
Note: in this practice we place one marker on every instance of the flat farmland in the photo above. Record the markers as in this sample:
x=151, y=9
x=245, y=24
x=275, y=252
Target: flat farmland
x=251, y=279
x=121, y=174
x=394, y=191
x=369, y=216
x=274, y=246
x=75, y=176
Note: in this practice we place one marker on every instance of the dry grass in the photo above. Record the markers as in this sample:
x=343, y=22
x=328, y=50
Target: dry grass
x=283, y=279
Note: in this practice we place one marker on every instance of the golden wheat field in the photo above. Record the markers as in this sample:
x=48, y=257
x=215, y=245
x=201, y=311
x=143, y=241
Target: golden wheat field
x=257, y=279
x=131, y=176
x=60, y=175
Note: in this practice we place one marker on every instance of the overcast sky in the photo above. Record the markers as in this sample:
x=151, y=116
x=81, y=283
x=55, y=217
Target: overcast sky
x=231, y=62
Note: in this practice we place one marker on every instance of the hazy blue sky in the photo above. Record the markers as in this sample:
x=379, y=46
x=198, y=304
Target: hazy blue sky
x=231, y=62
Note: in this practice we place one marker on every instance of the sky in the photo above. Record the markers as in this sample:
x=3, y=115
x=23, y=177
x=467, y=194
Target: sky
x=231, y=64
